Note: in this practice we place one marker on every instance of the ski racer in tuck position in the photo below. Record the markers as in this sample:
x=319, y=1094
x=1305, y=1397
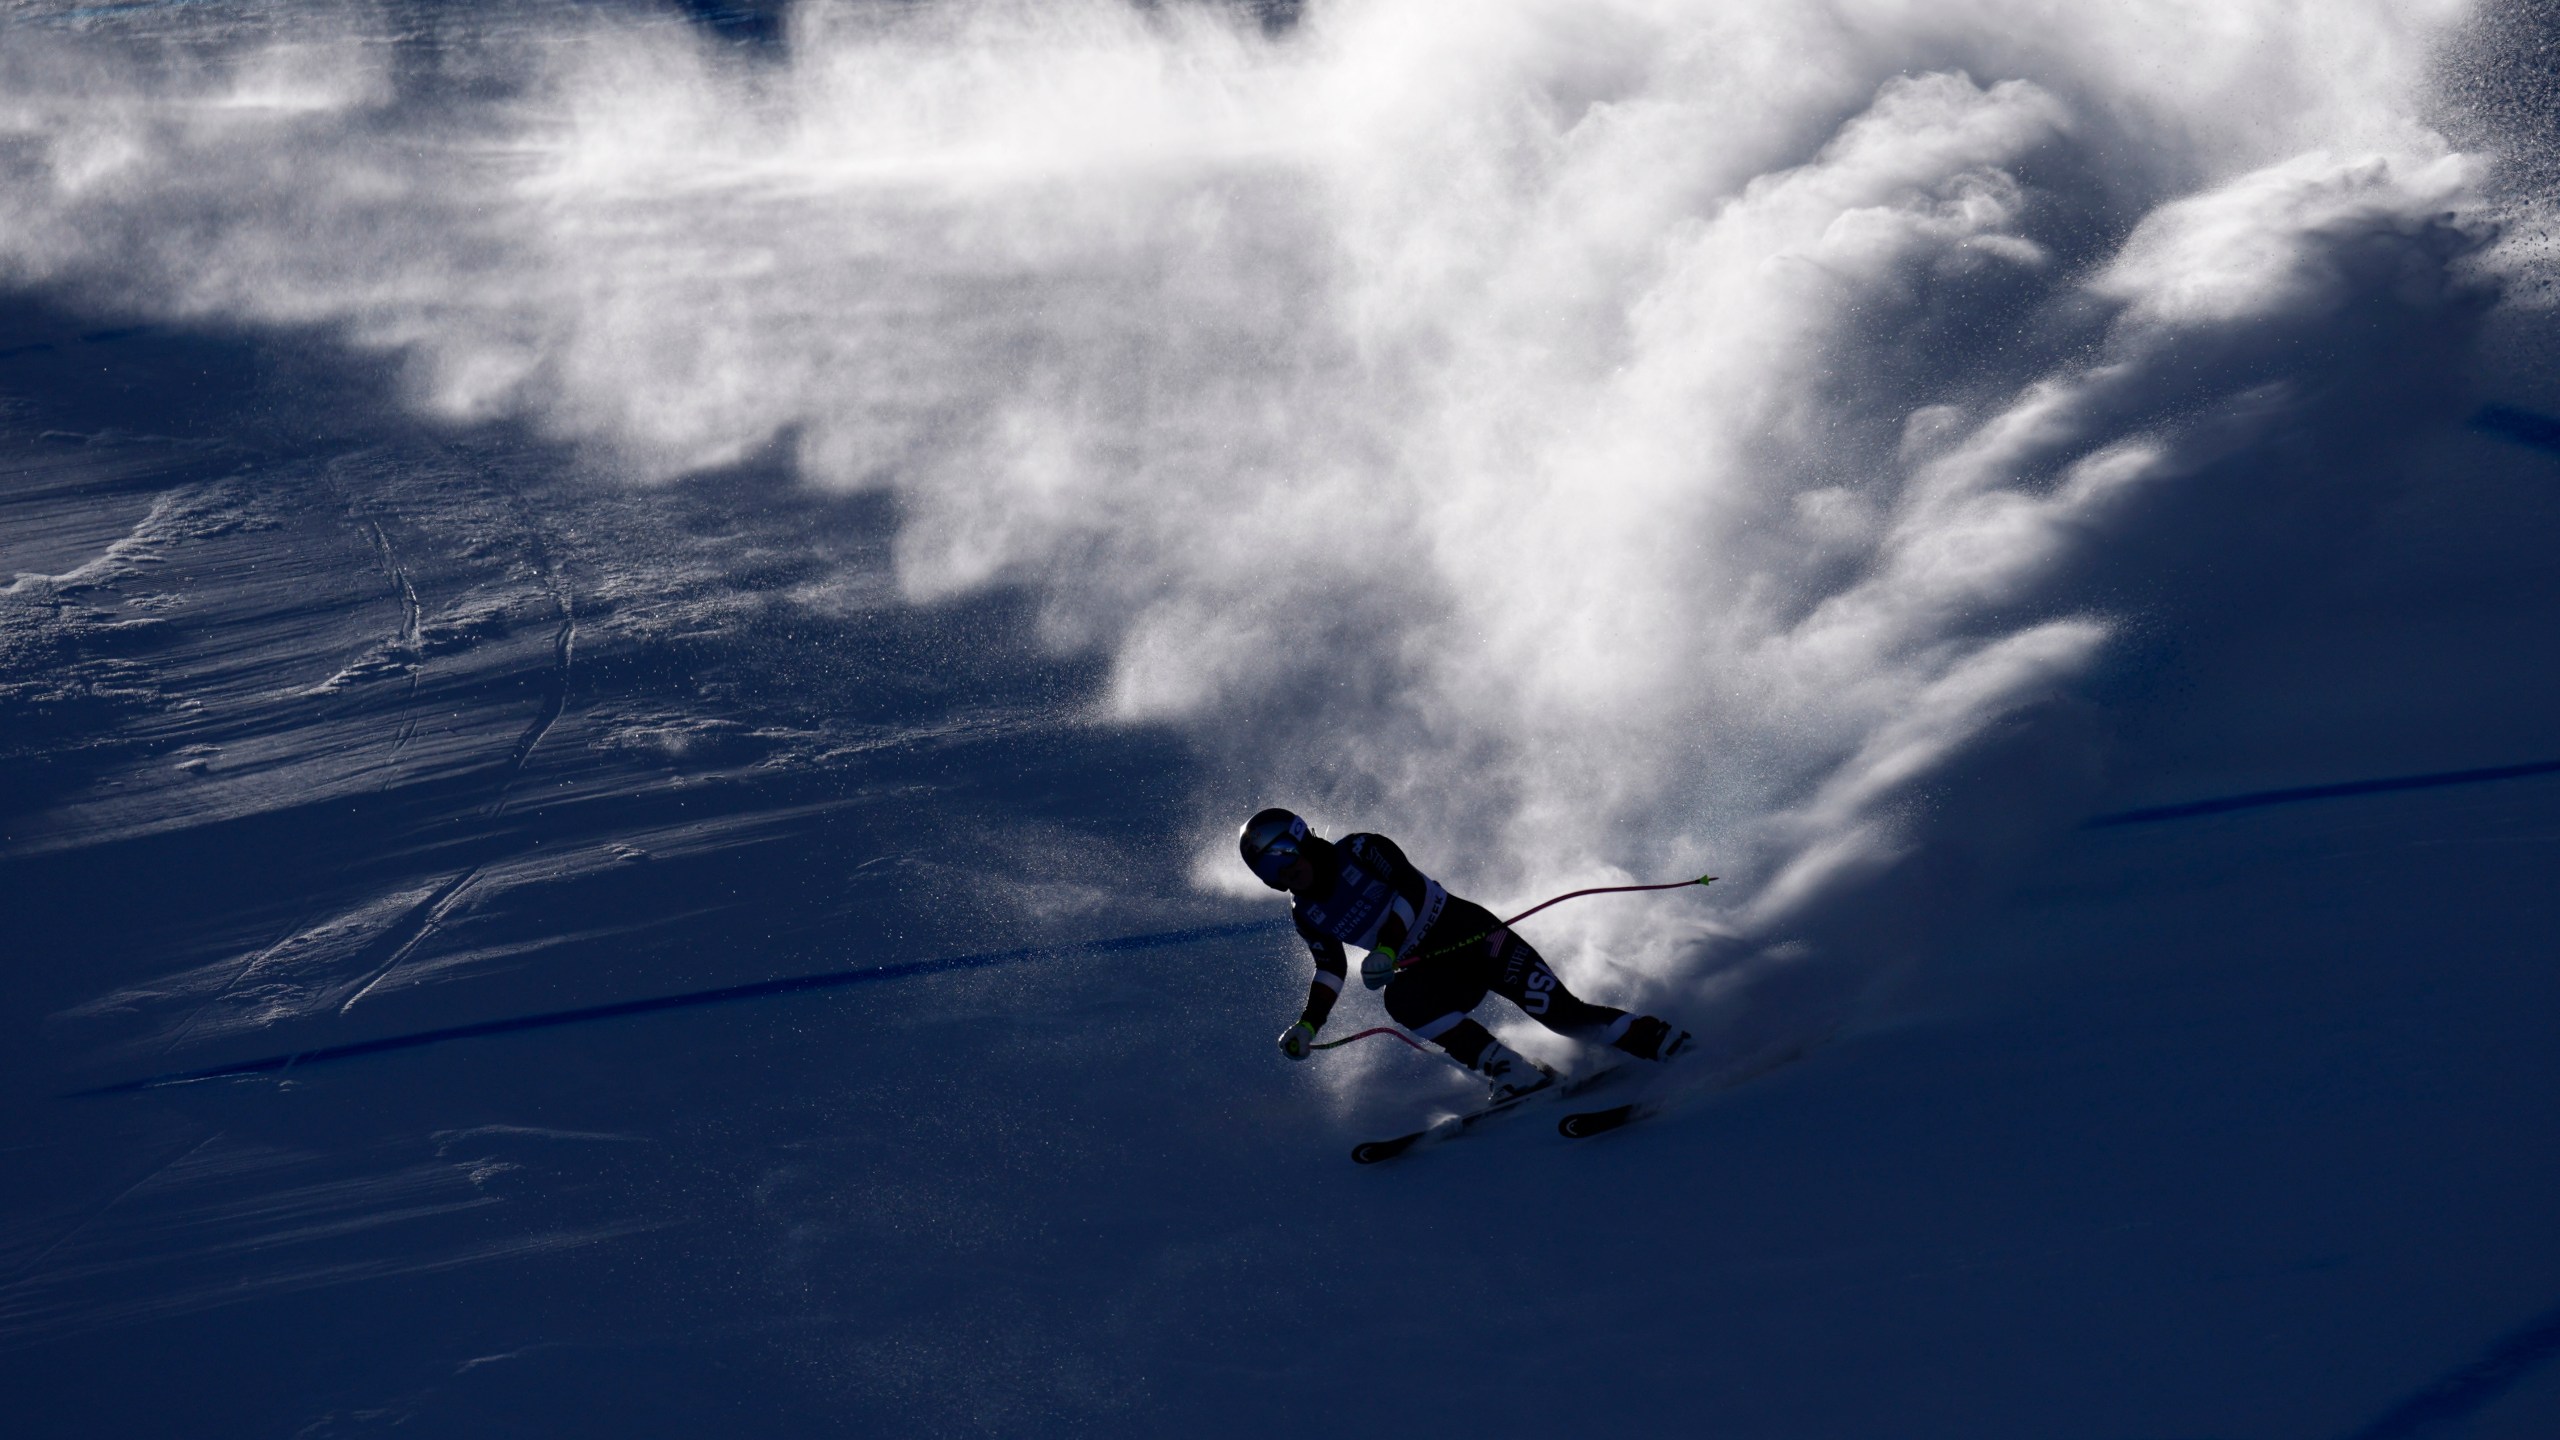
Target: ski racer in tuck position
x=1436, y=955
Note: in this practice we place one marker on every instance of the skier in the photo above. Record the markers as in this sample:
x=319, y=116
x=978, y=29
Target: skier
x=1436, y=955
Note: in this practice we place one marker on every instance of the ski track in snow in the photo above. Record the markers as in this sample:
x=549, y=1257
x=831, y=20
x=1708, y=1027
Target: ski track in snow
x=555, y=693
x=2473, y=1388
x=427, y=916
x=36, y=1262
x=2300, y=794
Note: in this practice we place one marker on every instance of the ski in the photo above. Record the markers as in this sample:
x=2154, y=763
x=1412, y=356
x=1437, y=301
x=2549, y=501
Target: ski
x=1593, y=1122
x=1449, y=1127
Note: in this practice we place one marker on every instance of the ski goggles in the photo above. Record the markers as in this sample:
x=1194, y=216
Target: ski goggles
x=1276, y=856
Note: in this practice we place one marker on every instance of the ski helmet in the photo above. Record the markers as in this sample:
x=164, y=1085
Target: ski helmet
x=1271, y=841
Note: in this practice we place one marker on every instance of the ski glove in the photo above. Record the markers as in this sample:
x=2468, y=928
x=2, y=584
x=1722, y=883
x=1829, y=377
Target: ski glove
x=1298, y=1041
x=1378, y=967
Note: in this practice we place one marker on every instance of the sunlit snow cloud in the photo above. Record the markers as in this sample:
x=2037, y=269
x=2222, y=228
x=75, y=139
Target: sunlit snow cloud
x=1584, y=439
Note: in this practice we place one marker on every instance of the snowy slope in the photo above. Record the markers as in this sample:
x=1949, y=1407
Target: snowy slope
x=516, y=512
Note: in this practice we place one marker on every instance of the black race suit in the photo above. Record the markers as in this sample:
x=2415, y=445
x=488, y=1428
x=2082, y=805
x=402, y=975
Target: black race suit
x=1367, y=893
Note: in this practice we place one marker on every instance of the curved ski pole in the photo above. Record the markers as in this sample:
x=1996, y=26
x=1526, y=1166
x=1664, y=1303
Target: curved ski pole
x=1404, y=961
x=1457, y=945
x=1365, y=1034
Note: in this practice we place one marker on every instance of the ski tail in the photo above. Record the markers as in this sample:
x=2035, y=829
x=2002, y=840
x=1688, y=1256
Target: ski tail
x=1370, y=1152
x=1584, y=1123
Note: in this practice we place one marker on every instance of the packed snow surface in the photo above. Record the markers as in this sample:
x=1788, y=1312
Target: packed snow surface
x=509, y=513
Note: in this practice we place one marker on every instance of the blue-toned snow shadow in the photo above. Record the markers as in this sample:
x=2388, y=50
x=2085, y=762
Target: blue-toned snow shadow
x=750, y=22
x=2256, y=799
x=620, y=1009
x=2523, y=427
x=2466, y=1391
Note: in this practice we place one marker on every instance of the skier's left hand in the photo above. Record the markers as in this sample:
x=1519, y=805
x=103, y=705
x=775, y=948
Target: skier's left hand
x=1298, y=1041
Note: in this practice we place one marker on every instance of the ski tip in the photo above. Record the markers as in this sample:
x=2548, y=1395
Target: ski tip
x=1595, y=1122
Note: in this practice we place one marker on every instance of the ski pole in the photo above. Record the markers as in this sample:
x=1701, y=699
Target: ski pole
x=1602, y=890
x=1404, y=960
x=1365, y=1034
x=1505, y=925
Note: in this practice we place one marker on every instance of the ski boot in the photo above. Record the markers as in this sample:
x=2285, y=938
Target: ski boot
x=1649, y=1037
x=1510, y=1073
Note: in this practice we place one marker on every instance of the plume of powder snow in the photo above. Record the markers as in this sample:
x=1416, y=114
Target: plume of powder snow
x=1590, y=441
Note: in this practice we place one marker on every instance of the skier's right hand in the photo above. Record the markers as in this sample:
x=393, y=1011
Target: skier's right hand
x=1298, y=1041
